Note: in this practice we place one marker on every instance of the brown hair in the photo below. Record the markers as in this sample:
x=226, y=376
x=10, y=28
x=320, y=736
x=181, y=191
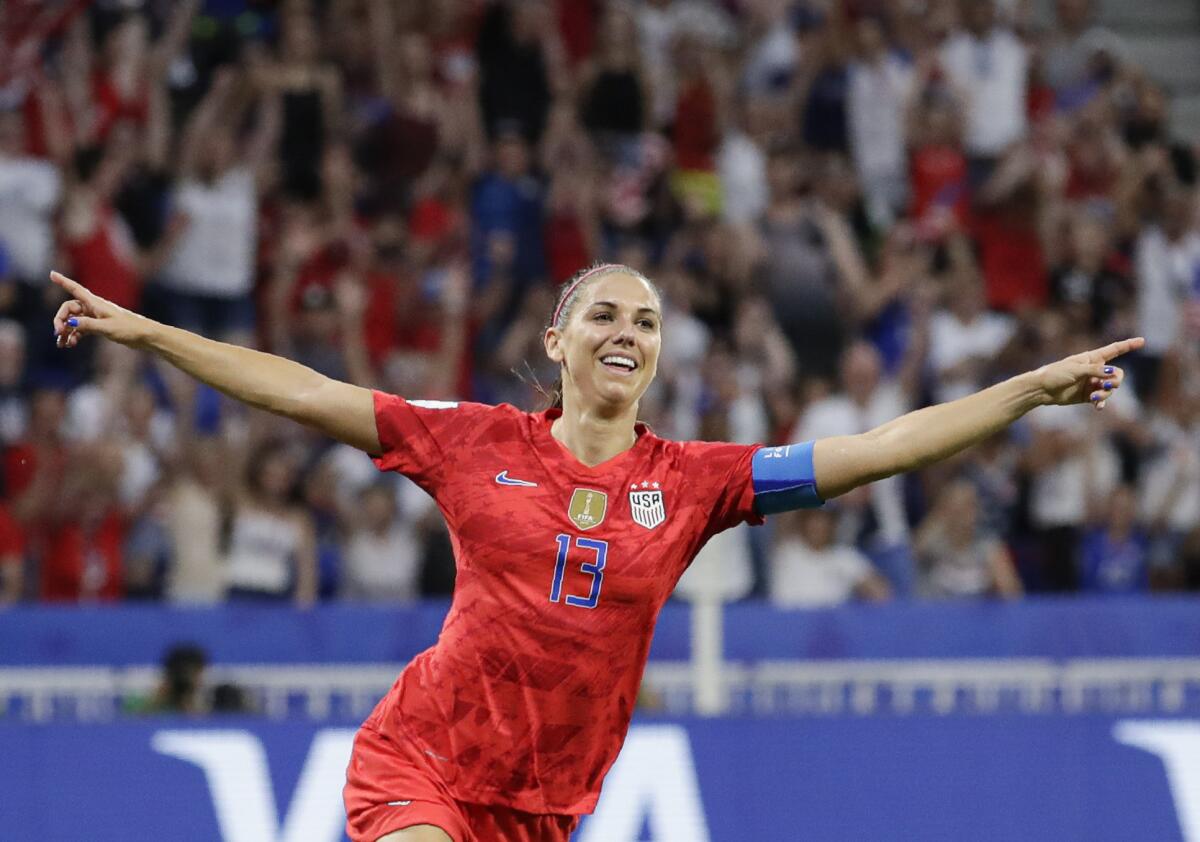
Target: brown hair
x=568, y=295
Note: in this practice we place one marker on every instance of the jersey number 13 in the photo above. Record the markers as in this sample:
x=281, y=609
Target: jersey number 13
x=595, y=569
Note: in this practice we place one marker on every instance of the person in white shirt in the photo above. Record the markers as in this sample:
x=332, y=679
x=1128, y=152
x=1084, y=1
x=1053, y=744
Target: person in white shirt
x=881, y=84
x=867, y=400
x=1079, y=51
x=14, y=409
x=964, y=337
x=383, y=553
x=989, y=67
x=272, y=542
x=30, y=192
x=208, y=278
x=809, y=569
x=773, y=55
x=957, y=558
x=1167, y=261
x=742, y=163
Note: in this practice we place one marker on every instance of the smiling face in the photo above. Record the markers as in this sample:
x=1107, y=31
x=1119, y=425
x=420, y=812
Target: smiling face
x=608, y=342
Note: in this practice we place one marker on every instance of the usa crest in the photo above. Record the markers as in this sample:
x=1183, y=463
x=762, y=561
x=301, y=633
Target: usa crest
x=587, y=507
x=647, y=506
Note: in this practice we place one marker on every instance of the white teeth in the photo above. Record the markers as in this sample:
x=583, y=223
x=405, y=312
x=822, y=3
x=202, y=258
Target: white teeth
x=614, y=359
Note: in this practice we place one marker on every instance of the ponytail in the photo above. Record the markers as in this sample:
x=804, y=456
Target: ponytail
x=554, y=396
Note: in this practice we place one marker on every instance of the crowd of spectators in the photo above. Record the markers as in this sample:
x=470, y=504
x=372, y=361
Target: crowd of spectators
x=853, y=208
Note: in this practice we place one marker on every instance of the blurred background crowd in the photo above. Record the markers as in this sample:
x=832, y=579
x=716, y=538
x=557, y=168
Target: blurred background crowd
x=853, y=208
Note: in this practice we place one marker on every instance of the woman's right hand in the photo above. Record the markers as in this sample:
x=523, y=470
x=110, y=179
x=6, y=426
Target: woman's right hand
x=86, y=313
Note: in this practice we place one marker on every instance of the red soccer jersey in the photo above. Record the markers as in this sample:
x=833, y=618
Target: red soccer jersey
x=562, y=570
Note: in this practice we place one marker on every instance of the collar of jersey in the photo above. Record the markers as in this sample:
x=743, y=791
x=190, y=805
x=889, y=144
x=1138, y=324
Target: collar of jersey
x=551, y=449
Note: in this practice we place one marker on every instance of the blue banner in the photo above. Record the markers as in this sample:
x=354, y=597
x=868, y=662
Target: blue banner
x=1054, y=778
x=1127, y=627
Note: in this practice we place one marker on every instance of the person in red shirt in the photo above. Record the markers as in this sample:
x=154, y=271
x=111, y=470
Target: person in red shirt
x=96, y=239
x=83, y=533
x=938, y=166
x=1008, y=207
x=570, y=528
x=83, y=558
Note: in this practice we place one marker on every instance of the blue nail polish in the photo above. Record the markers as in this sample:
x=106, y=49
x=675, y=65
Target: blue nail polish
x=1095, y=398
x=1107, y=384
x=73, y=322
x=1108, y=369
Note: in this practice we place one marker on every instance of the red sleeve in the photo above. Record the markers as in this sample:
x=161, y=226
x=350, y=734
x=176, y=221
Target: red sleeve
x=720, y=471
x=419, y=438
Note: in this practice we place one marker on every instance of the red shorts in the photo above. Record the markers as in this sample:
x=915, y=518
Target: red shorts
x=390, y=786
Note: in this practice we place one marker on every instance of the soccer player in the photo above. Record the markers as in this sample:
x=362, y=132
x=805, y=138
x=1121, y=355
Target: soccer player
x=570, y=528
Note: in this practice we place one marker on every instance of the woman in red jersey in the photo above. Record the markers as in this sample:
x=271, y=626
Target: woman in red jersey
x=570, y=528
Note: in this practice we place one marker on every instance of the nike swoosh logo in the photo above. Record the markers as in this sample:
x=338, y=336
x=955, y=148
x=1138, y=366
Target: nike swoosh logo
x=504, y=479
x=398, y=803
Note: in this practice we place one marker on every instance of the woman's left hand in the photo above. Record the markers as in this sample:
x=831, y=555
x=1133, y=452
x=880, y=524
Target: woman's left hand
x=1085, y=377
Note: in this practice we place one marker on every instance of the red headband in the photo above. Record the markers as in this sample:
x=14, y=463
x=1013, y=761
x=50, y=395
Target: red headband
x=571, y=288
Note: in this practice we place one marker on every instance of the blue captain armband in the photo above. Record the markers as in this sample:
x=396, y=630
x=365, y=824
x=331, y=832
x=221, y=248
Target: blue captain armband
x=784, y=479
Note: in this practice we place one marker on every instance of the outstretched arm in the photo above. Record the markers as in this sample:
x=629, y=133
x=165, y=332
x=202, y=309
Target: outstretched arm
x=264, y=381
x=920, y=438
